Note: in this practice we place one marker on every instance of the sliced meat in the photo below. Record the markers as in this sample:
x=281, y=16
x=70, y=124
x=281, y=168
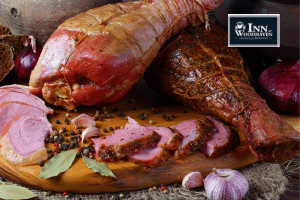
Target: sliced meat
x=122, y=142
x=160, y=153
x=23, y=140
x=194, y=132
x=16, y=88
x=10, y=95
x=12, y=110
x=224, y=139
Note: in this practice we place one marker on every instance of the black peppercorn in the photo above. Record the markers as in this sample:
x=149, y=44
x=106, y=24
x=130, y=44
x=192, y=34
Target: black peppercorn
x=84, y=141
x=51, y=155
x=64, y=129
x=79, y=132
x=164, y=116
x=110, y=116
x=111, y=128
x=51, y=140
x=67, y=140
x=104, y=116
x=3, y=179
x=66, y=134
x=57, y=122
x=71, y=132
x=104, y=130
x=142, y=117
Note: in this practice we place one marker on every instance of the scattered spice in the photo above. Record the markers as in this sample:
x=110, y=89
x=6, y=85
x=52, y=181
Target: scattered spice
x=41, y=163
x=162, y=188
x=57, y=121
x=166, y=191
x=154, y=188
x=67, y=115
x=104, y=130
x=84, y=141
x=110, y=116
x=111, y=128
x=72, y=133
x=164, y=116
x=121, y=195
x=150, y=189
x=79, y=132
x=151, y=122
x=65, y=193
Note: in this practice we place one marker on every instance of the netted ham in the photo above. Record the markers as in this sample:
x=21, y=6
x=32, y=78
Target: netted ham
x=23, y=140
x=122, y=142
x=97, y=56
x=160, y=153
x=198, y=69
x=12, y=110
x=21, y=95
x=223, y=139
x=194, y=132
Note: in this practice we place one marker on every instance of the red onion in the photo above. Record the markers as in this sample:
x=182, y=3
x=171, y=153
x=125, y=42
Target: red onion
x=27, y=58
x=279, y=85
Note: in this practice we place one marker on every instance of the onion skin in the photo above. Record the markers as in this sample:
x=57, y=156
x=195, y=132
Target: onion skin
x=228, y=185
x=26, y=59
x=279, y=86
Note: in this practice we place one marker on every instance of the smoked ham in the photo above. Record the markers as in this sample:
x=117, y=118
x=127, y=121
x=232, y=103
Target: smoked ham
x=223, y=139
x=160, y=153
x=198, y=69
x=123, y=142
x=12, y=110
x=97, y=56
x=23, y=140
x=194, y=132
x=21, y=95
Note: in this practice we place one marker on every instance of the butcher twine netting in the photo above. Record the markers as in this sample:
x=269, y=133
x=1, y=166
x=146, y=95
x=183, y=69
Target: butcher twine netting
x=266, y=181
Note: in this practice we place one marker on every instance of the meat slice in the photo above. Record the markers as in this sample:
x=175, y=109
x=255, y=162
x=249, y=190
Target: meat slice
x=122, y=142
x=159, y=154
x=12, y=110
x=224, y=139
x=194, y=132
x=16, y=88
x=23, y=140
x=11, y=95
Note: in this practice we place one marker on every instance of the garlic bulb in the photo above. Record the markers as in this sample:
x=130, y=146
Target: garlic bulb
x=225, y=184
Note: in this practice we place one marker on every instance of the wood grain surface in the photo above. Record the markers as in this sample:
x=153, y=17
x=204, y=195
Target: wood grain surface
x=80, y=179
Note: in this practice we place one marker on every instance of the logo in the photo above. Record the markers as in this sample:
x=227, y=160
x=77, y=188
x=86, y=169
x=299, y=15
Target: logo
x=239, y=28
x=253, y=30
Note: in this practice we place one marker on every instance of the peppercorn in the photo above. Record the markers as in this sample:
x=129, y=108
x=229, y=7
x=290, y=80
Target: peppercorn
x=84, y=141
x=184, y=111
x=58, y=151
x=172, y=116
x=59, y=141
x=65, y=134
x=78, y=154
x=57, y=122
x=96, y=118
x=64, y=129
x=142, y=117
x=104, y=116
x=65, y=193
x=41, y=163
x=115, y=109
x=67, y=140
x=3, y=179
x=164, y=116
x=72, y=145
x=51, y=155
x=121, y=114
x=104, y=130
x=111, y=128
x=154, y=111
x=51, y=140
x=71, y=132
x=167, y=118
x=79, y=132
x=110, y=116
x=66, y=119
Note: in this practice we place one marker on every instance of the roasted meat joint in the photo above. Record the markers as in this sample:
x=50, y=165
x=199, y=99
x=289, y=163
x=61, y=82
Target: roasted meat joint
x=127, y=91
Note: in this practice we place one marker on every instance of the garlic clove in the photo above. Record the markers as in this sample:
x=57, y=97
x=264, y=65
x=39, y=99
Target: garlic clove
x=83, y=121
x=90, y=132
x=225, y=184
x=192, y=180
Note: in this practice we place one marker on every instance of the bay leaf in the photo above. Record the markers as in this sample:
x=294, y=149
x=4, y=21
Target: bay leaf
x=57, y=164
x=15, y=192
x=101, y=168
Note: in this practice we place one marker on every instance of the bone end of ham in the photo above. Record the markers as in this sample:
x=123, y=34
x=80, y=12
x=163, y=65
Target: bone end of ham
x=23, y=140
x=194, y=132
x=223, y=139
x=122, y=142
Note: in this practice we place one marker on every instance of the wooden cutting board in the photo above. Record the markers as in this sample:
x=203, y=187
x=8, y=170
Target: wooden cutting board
x=80, y=179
